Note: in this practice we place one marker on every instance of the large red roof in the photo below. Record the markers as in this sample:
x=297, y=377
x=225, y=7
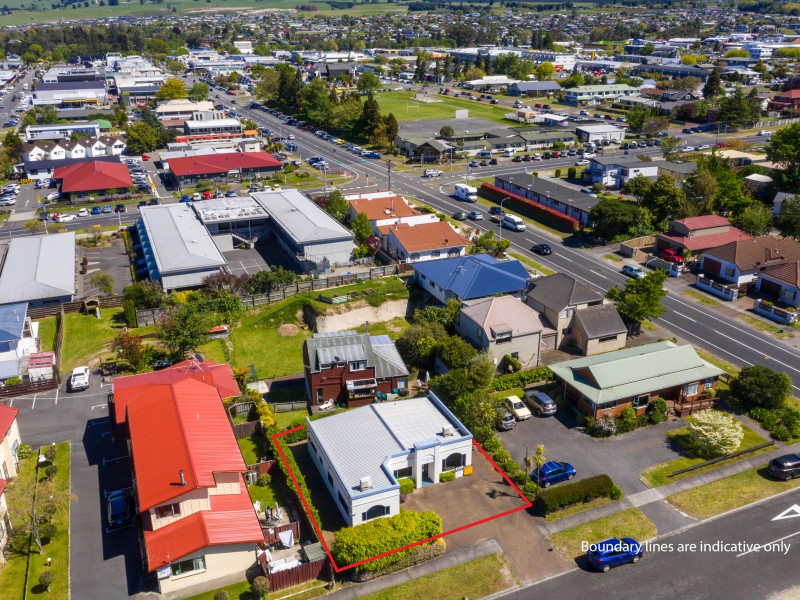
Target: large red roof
x=127, y=389
x=7, y=416
x=704, y=222
x=231, y=520
x=93, y=175
x=179, y=427
x=222, y=163
x=704, y=242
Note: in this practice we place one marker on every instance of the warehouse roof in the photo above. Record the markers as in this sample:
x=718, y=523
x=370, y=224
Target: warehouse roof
x=301, y=218
x=39, y=267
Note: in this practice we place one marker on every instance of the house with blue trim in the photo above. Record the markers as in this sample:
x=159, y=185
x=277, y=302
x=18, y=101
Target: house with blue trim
x=470, y=277
x=362, y=454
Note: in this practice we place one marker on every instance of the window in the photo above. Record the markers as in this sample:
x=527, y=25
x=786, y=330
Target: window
x=374, y=512
x=729, y=271
x=188, y=566
x=502, y=338
x=454, y=461
x=330, y=479
x=341, y=501
x=168, y=510
x=313, y=447
x=320, y=394
x=608, y=405
x=435, y=254
x=709, y=383
x=358, y=365
x=690, y=389
x=640, y=401
x=415, y=256
x=404, y=472
x=608, y=338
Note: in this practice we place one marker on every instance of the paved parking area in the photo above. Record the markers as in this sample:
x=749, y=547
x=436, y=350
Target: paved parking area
x=111, y=259
x=245, y=262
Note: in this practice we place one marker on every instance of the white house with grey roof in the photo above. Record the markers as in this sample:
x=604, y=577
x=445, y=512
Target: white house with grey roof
x=179, y=250
x=39, y=269
x=362, y=454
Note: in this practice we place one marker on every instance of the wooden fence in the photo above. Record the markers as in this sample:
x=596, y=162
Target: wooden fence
x=271, y=533
x=302, y=573
x=41, y=312
x=245, y=430
x=279, y=407
x=27, y=388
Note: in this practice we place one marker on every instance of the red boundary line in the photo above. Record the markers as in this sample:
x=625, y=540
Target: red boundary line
x=317, y=528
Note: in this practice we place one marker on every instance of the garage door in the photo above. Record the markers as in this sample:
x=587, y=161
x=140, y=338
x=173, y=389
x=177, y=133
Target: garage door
x=770, y=288
x=711, y=266
x=549, y=342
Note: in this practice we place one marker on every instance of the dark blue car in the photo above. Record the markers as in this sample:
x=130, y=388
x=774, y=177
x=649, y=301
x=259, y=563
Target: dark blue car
x=612, y=552
x=552, y=472
x=96, y=210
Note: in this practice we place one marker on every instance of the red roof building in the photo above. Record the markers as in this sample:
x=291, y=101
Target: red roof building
x=698, y=234
x=222, y=167
x=93, y=176
x=197, y=517
x=785, y=101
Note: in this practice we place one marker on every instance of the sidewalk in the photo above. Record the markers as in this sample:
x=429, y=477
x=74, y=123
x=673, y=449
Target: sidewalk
x=660, y=493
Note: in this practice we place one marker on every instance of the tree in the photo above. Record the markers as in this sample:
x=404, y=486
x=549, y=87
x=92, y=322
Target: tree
x=145, y=294
x=713, y=86
x=784, y=149
x=182, y=330
x=664, y=200
x=638, y=187
x=260, y=586
x=737, y=110
x=361, y=227
x=33, y=226
x=103, y=281
x=613, y=217
x=46, y=579
x=267, y=87
x=760, y=386
x=637, y=116
x=198, y=92
x=714, y=433
x=455, y=352
x=737, y=53
x=290, y=84
x=442, y=315
x=670, y=147
x=538, y=460
x=412, y=349
x=370, y=118
x=446, y=132
x=368, y=82
x=129, y=347
x=756, y=219
x=315, y=101
x=640, y=299
x=789, y=218
x=142, y=138
x=335, y=205
x=25, y=514
x=172, y=89
x=545, y=71
x=264, y=282
x=700, y=188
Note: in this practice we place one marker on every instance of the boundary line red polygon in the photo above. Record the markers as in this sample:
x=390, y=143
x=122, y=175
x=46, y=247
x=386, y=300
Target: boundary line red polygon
x=318, y=529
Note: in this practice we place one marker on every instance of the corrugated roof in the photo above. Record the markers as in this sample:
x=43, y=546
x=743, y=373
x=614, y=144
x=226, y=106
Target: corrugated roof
x=221, y=163
x=704, y=222
x=427, y=236
x=12, y=321
x=475, y=276
x=600, y=321
x=634, y=371
x=346, y=346
x=38, y=267
x=559, y=290
x=93, y=175
x=300, y=218
x=550, y=188
x=341, y=353
x=491, y=313
x=7, y=416
x=387, y=359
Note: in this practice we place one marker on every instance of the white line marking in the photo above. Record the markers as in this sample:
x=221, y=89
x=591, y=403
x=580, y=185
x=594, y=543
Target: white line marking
x=99, y=406
x=34, y=402
x=772, y=543
x=792, y=511
x=685, y=317
x=57, y=390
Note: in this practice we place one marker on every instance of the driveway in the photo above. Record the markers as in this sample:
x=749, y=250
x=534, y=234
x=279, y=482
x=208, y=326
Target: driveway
x=112, y=260
x=621, y=457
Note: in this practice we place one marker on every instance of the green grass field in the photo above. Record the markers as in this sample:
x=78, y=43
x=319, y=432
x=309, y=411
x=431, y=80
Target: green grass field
x=404, y=108
x=87, y=337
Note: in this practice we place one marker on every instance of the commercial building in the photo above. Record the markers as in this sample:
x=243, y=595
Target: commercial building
x=417, y=439
x=39, y=269
x=600, y=133
x=597, y=94
x=63, y=131
x=222, y=168
x=182, y=109
x=550, y=193
x=72, y=93
x=204, y=123
x=93, y=176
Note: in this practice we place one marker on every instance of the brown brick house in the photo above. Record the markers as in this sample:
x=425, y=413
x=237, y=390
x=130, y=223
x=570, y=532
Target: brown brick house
x=351, y=368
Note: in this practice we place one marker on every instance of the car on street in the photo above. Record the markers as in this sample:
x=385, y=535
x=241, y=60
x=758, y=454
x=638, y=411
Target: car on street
x=764, y=132
x=496, y=214
x=543, y=249
x=230, y=194
x=581, y=162
x=142, y=204
x=493, y=161
x=670, y=255
x=83, y=212
x=517, y=408
x=613, y=552
x=460, y=215
x=505, y=420
x=53, y=196
x=704, y=147
x=474, y=163
x=516, y=159
x=118, y=508
x=120, y=208
x=196, y=196
x=633, y=271
x=475, y=215
x=785, y=467
x=540, y=403
x=79, y=380
x=432, y=173
x=553, y=472
x=588, y=155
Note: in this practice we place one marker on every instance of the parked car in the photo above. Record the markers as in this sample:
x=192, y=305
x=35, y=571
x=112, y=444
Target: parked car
x=474, y=163
x=79, y=380
x=196, y=196
x=670, y=255
x=142, y=204
x=118, y=508
x=53, y=196
x=143, y=187
x=106, y=209
x=540, y=403
x=543, y=249
x=96, y=210
x=83, y=212
x=517, y=408
x=633, y=271
x=554, y=472
x=785, y=467
x=153, y=202
x=517, y=159
x=493, y=161
x=8, y=201
x=145, y=157
x=230, y=194
x=460, y=215
x=475, y=215
x=613, y=552
x=120, y=208
x=505, y=420
x=581, y=162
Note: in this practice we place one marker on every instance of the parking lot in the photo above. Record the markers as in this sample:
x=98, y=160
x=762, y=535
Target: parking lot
x=112, y=260
x=245, y=262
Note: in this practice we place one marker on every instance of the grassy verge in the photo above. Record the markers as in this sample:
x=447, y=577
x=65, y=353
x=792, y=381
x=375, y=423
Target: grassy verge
x=612, y=257
x=535, y=220
x=701, y=298
x=12, y=574
x=658, y=475
x=531, y=263
x=628, y=523
x=718, y=362
x=577, y=508
x=243, y=591
x=474, y=579
x=649, y=326
x=731, y=492
x=778, y=332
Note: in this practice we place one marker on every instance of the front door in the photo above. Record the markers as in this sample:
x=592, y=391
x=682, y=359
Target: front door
x=426, y=472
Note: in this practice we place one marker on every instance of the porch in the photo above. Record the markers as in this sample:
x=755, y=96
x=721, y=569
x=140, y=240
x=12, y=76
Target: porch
x=683, y=408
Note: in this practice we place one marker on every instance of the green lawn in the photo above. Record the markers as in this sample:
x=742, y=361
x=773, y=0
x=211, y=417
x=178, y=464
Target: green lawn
x=214, y=350
x=628, y=523
x=242, y=591
x=12, y=573
x=702, y=298
x=284, y=419
x=474, y=579
x=658, y=475
x=576, y=508
x=531, y=263
x=392, y=328
x=47, y=333
x=778, y=332
x=87, y=337
x=404, y=108
x=731, y=492
x=268, y=495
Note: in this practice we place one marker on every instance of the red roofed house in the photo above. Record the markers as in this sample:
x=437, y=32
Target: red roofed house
x=785, y=101
x=9, y=445
x=199, y=525
x=385, y=208
x=426, y=241
x=229, y=166
x=698, y=234
x=93, y=176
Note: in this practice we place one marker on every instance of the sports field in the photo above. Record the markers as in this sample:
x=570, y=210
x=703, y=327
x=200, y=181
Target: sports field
x=406, y=109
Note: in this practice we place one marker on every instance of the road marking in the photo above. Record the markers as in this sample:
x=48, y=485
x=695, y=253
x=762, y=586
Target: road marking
x=34, y=402
x=57, y=390
x=685, y=317
x=792, y=511
x=772, y=543
x=99, y=406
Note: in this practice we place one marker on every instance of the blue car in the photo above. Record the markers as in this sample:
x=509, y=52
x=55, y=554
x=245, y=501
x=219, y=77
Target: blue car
x=230, y=194
x=185, y=198
x=96, y=210
x=119, y=509
x=552, y=472
x=612, y=552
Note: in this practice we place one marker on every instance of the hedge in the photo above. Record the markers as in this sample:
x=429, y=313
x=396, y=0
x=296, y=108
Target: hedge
x=521, y=379
x=285, y=466
x=493, y=191
x=577, y=492
x=354, y=544
x=782, y=423
x=407, y=486
x=302, y=434
x=447, y=476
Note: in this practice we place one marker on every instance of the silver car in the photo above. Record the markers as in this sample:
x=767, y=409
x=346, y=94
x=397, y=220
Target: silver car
x=540, y=403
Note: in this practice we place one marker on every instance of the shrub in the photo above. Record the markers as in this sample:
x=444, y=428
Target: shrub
x=13, y=381
x=656, y=411
x=520, y=478
x=50, y=453
x=511, y=364
x=604, y=427
x=492, y=445
x=407, y=486
x=24, y=451
x=50, y=471
x=302, y=434
x=577, y=492
x=354, y=544
x=129, y=310
x=510, y=467
x=715, y=433
x=782, y=423
x=46, y=579
x=264, y=480
x=291, y=464
x=447, y=476
x=47, y=531
x=46, y=513
x=571, y=172
x=260, y=586
x=520, y=379
x=627, y=420
x=761, y=386
x=221, y=595
x=501, y=456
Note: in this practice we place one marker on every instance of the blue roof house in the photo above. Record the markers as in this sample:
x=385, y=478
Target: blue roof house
x=18, y=339
x=470, y=277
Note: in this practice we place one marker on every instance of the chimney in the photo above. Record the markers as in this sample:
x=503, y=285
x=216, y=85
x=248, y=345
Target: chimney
x=366, y=328
x=183, y=479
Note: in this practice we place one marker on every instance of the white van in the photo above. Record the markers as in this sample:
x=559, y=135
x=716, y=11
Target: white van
x=465, y=192
x=513, y=222
x=509, y=152
x=484, y=154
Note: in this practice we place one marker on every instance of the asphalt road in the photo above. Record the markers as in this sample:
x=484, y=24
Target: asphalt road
x=715, y=573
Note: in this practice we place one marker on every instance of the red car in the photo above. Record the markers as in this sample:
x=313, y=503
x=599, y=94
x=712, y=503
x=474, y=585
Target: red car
x=145, y=157
x=670, y=255
x=207, y=195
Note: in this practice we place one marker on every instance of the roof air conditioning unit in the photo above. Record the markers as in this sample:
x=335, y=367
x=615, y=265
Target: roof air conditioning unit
x=447, y=431
x=365, y=483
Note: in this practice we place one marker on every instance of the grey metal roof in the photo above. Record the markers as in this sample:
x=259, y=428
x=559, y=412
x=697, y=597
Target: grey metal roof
x=599, y=321
x=552, y=189
x=70, y=85
x=559, y=291
x=12, y=321
x=38, y=267
x=178, y=240
x=387, y=358
x=300, y=218
x=345, y=346
x=342, y=353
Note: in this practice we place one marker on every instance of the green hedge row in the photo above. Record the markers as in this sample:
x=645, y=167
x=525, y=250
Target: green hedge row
x=782, y=423
x=302, y=434
x=298, y=475
x=354, y=544
x=577, y=492
x=447, y=476
x=521, y=379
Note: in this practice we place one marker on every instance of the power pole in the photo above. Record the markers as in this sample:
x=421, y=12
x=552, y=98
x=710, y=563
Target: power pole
x=389, y=171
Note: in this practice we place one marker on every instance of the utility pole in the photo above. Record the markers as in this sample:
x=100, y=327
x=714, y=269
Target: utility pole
x=389, y=171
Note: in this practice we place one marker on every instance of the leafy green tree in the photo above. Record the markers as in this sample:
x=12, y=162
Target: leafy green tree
x=737, y=110
x=638, y=187
x=756, y=219
x=788, y=222
x=715, y=433
x=12, y=144
x=784, y=149
x=640, y=299
x=142, y=138
x=315, y=101
x=613, y=217
x=347, y=113
x=446, y=132
x=665, y=201
x=198, y=92
x=183, y=330
x=361, y=227
x=260, y=586
x=700, y=188
x=264, y=282
x=442, y=315
x=103, y=281
x=336, y=206
x=172, y=89
x=267, y=87
x=410, y=345
x=478, y=412
x=637, y=116
x=455, y=352
x=129, y=347
x=290, y=84
x=545, y=71
x=760, y=386
x=145, y=294
x=368, y=82
x=670, y=147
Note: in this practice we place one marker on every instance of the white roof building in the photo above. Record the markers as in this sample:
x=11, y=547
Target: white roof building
x=39, y=270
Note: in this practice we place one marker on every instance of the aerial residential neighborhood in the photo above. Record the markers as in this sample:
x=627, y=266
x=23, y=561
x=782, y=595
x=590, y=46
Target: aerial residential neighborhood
x=399, y=300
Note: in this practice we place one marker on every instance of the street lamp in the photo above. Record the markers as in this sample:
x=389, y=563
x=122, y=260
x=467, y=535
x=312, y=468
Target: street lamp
x=501, y=216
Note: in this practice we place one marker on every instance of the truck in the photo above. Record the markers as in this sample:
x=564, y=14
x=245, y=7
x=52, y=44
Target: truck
x=465, y=192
